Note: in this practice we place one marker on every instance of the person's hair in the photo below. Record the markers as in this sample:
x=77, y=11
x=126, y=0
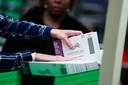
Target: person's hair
x=43, y=2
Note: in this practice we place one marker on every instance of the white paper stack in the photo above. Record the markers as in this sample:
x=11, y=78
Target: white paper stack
x=85, y=56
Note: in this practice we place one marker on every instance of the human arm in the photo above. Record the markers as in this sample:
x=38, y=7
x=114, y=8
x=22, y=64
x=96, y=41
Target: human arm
x=10, y=28
x=12, y=61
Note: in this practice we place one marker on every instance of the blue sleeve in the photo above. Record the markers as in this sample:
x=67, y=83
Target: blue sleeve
x=10, y=28
x=11, y=61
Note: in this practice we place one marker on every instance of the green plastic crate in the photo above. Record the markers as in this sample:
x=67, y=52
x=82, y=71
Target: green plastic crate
x=90, y=83
x=10, y=78
x=84, y=78
x=78, y=78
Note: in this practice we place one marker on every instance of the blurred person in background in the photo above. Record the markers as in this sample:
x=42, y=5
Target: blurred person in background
x=92, y=12
x=54, y=13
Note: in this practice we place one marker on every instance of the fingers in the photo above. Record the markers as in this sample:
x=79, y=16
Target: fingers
x=73, y=33
x=70, y=33
x=68, y=42
x=44, y=57
x=64, y=34
x=55, y=33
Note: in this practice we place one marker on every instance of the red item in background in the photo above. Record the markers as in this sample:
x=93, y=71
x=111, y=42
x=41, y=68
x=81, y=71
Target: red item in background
x=125, y=56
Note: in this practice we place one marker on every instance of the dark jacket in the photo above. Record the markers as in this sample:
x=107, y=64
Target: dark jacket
x=35, y=15
x=12, y=29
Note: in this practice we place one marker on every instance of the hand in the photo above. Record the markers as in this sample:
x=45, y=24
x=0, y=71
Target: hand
x=44, y=57
x=64, y=34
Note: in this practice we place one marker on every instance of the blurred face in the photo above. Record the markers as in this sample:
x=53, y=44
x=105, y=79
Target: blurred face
x=58, y=7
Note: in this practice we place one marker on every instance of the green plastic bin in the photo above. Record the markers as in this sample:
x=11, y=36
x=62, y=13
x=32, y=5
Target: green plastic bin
x=83, y=78
x=10, y=78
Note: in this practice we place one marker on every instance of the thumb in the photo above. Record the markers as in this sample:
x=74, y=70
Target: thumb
x=68, y=42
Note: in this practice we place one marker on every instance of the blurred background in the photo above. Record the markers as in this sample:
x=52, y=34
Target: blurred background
x=89, y=12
